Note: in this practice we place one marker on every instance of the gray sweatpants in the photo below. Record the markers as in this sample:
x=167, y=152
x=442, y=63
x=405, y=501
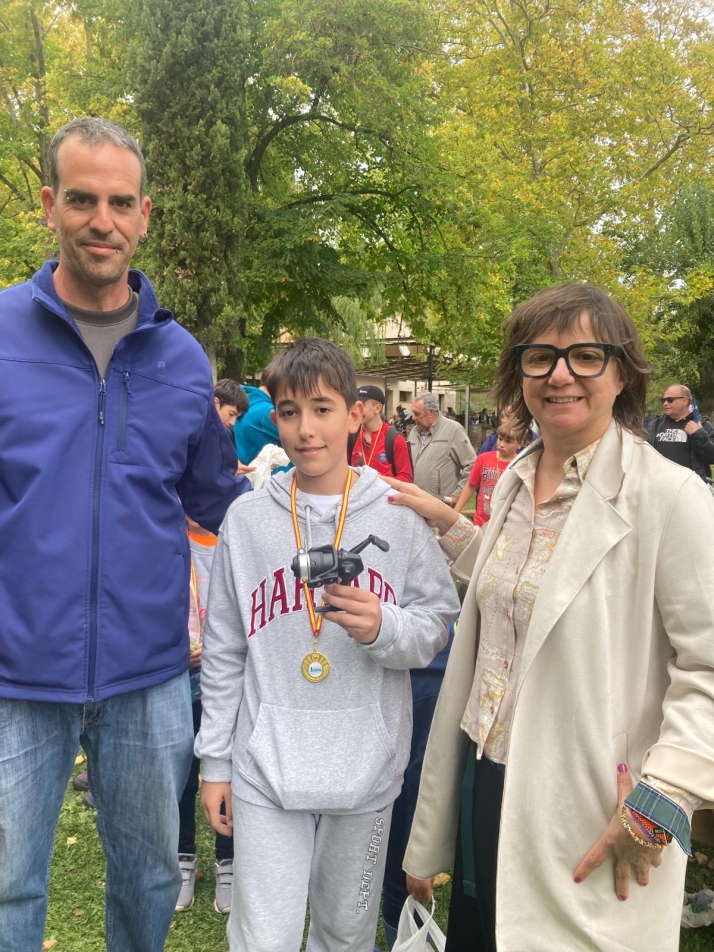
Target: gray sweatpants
x=283, y=858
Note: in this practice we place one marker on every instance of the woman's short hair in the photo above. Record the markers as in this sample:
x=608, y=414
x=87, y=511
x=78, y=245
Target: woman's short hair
x=560, y=308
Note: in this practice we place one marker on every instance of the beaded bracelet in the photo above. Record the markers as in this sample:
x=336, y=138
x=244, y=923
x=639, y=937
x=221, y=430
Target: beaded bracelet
x=635, y=837
x=651, y=829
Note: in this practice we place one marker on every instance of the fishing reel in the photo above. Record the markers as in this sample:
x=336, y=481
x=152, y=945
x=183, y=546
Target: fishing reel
x=325, y=565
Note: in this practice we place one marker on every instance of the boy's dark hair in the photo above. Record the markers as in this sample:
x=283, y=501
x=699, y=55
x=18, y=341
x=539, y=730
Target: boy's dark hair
x=230, y=392
x=300, y=367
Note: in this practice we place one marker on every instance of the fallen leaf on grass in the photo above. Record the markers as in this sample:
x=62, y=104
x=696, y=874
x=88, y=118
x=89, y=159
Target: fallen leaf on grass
x=79, y=759
x=71, y=840
x=701, y=858
x=49, y=943
x=79, y=912
x=442, y=879
x=199, y=875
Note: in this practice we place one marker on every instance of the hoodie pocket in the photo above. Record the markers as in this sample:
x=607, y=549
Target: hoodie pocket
x=320, y=760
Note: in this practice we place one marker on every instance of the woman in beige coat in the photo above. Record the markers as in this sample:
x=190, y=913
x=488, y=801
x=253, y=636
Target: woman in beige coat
x=582, y=673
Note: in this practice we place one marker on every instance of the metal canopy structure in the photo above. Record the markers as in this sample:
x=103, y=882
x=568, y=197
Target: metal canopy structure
x=408, y=359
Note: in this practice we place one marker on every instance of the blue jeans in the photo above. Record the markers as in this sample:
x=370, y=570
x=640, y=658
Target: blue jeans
x=139, y=748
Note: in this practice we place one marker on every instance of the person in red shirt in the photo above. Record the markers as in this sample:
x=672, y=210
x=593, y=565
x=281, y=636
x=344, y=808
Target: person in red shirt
x=376, y=443
x=487, y=471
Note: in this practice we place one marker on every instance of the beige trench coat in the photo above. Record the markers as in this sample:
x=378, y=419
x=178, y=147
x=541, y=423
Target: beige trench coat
x=618, y=666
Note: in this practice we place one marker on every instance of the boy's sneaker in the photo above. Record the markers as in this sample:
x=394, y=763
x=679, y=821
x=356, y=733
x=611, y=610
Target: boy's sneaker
x=224, y=886
x=81, y=781
x=187, y=865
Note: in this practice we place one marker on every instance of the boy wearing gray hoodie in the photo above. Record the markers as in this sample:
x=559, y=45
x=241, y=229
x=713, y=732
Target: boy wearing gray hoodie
x=307, y=725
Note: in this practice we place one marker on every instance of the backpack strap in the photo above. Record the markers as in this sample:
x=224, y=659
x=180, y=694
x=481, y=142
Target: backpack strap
x=389, y=439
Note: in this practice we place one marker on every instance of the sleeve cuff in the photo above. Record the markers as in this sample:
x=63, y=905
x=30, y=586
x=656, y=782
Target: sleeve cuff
x=457, y=538
x=664, y=812
x=214, y=770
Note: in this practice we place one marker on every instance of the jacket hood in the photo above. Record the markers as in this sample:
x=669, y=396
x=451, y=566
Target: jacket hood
x=364, y=491
x=256, y=395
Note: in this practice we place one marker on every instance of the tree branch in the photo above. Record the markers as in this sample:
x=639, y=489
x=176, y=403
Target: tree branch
x=13, y=188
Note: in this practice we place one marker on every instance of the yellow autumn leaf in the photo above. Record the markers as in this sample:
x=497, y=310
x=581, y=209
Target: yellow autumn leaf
x=49, y=943
x=71, y=840
x=441, y=879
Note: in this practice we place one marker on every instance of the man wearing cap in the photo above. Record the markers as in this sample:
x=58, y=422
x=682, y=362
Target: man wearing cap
x=376, y=443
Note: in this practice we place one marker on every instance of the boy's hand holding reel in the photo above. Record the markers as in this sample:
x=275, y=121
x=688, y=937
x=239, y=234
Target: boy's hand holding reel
x=358, y=611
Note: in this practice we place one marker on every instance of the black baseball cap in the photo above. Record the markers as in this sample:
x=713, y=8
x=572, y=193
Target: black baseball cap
x=371, y=393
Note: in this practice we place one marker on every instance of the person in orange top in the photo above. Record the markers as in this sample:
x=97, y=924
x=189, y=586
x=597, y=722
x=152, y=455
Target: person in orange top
x=376, y=443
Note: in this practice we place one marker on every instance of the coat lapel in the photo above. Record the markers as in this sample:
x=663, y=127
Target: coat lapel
x=592, y=529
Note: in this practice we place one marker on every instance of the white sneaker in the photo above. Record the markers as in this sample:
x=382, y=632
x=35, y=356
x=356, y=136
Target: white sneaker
x=224, y=886
x=187, y=865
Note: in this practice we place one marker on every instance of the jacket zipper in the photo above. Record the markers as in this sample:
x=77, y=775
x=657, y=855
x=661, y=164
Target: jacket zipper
x=123, y=412
x=94, y=579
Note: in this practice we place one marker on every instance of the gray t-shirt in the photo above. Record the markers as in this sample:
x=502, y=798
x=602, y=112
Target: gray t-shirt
x=102, y=330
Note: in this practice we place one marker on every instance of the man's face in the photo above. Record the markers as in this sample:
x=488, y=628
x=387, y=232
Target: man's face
x=424, y=419
x=228, y=414
x=98, y=213
x=674, y=405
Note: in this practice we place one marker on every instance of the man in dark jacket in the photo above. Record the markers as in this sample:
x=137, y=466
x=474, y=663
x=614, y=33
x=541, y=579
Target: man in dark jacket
x=678, y=436
x=108, y=432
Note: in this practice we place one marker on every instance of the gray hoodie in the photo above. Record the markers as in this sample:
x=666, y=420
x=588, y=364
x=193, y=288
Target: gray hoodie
x=340, y=745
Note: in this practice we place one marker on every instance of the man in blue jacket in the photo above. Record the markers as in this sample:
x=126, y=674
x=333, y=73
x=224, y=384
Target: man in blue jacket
x=108, y=432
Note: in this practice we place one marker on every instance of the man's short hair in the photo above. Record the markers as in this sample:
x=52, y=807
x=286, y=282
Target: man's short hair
x=95, y=132
x=302, y=365
x=429, y=400
x=229, y=392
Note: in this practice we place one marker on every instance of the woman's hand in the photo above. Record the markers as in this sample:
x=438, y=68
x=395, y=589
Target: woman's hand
x=421, y=889
x=629, y=855
x=437, y=514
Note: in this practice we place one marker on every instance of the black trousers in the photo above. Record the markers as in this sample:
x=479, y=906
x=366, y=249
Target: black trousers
x=187, y=806
x=472, y=921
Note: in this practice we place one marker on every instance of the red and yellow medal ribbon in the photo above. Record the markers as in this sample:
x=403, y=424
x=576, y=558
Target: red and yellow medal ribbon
x=315, y=619
x=374, y=443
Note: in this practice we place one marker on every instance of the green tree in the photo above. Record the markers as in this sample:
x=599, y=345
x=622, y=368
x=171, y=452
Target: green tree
x=572, y=124
x=285, y=145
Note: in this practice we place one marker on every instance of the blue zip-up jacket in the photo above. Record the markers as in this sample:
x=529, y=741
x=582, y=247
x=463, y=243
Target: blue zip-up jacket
x=93, y=474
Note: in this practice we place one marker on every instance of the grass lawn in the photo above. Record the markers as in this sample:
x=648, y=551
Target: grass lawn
x=75, y=922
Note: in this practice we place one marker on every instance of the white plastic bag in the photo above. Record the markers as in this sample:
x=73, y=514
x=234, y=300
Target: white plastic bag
x=412, y=937
x=269, y=458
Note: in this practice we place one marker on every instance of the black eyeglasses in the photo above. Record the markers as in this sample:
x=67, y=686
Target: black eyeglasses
x=582, y=360
x=672, y=399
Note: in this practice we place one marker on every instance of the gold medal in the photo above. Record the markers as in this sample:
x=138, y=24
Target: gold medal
x=315, y=667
